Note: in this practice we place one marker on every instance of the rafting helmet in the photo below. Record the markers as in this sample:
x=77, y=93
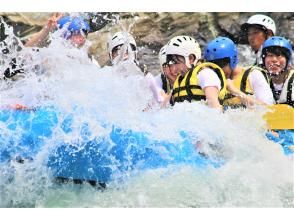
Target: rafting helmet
x=162, y=56
x=73, y=25
x=264, y=21
x=184, y=46
x=277, y=42
x=122, y=38
x=220, y=48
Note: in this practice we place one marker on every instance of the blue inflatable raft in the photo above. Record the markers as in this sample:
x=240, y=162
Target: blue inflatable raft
x=102, y=159
x=24, y=133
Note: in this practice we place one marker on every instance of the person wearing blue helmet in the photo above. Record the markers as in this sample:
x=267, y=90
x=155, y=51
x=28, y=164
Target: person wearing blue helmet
x=242, y=82
x=276, y=55
x=75, y=29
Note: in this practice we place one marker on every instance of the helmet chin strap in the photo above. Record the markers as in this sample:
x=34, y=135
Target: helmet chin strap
x=187, y=62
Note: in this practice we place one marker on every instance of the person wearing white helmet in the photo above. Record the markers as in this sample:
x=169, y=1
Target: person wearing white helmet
x=122, y=46
x=165, y=79
x=162, y=83
x=195, y=81
x=258, y=29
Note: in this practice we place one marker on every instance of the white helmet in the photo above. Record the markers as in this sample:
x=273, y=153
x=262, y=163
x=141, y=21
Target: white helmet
x=122, y=38
x=266, y=22
x=184, y=46
x=162, y=55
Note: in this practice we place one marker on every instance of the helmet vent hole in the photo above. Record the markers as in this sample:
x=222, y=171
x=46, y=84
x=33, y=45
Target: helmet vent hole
x=214, y=49
x=179, y=40
x=175, y=44
x=185, y=38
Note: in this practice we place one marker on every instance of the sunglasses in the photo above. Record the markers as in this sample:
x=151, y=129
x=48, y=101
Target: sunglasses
x=75, y=32
x=171, y=60
x=118, y=47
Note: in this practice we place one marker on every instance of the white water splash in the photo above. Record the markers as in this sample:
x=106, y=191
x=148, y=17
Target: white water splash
x=256, y=173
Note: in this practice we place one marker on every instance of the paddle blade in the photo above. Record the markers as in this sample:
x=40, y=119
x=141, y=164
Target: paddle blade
x=280, y=117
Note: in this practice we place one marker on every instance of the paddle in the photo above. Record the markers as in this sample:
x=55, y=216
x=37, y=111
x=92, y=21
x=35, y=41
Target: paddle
x=280, y=117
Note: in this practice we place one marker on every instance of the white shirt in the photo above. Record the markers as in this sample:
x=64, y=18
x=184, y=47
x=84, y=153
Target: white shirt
x=261, y=88
x=207, y=77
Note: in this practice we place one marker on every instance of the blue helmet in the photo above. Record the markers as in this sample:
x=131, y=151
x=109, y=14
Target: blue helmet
x=220, y=48
x=76, y=24
x=280, y=42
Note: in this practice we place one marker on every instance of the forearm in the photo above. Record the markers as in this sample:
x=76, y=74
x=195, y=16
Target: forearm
x=245, y=99
x=38, y=38
x=211, y=94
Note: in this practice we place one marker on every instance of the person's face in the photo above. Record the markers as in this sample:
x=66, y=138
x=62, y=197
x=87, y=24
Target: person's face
x=166, y=70
x=78, y=40
x=228, y=71
x=256, y=37
x=275, y=63
x=177, y=66
x=116, y=50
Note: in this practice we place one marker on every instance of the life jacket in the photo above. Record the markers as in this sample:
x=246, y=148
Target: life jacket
x=188, y=88
x=286, y=93
x=166, y=86
x=242, y=83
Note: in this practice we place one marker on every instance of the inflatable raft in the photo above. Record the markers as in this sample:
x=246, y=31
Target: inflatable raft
x=112, y=154
x=106, y=157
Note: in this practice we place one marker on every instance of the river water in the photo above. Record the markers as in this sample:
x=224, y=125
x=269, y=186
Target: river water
x=256, y=173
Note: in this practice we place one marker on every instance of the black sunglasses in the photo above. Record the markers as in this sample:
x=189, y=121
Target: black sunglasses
x=172, y=59
x=85, y=32
x=118, y=47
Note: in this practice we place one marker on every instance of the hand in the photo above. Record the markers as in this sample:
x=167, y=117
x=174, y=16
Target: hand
x=166, y=99
x=143, y=68
x=52, y=21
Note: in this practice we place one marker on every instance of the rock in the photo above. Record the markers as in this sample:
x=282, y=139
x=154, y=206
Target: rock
x=153, y=30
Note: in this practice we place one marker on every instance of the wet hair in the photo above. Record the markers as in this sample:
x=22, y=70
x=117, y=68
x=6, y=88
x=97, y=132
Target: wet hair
x=277, y=51
x=221, y=62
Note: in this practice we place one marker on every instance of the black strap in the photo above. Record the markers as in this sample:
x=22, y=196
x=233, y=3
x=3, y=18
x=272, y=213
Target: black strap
x=289, y=91
x=276, y=97
x=164, y=82
x=244, y=80
x=187, y=98
x=220, y=76
x=264, y=73
x=188, y=87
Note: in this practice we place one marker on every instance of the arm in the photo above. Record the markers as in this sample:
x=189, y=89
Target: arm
x=156, y=89
x=210, y=83
x=39, y=37
x=245, y=99
x=211, y=94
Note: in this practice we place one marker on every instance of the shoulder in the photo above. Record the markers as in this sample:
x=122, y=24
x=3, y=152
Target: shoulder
x=257, y=73
x=207, y=73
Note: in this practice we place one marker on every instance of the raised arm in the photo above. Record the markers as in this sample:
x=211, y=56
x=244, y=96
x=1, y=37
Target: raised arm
x=40, y=37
